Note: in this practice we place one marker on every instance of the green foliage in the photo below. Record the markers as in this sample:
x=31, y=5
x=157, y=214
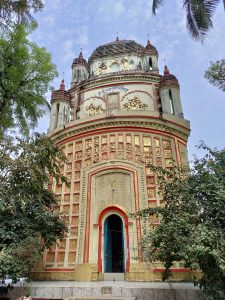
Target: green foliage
x=28, y=222
x=198, y=15
x=18, y=11
x=25, y=73
x=216, y=74
x=192, y=222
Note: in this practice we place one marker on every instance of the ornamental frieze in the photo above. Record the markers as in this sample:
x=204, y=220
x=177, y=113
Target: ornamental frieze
x=113, y=78
x=126, y=64
x=183, y=134
x=102, y=69
x=96, y=148
x=96, y=158
x=135, y=104
x=94, y=110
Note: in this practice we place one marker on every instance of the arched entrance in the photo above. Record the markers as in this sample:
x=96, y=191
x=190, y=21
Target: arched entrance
x=106, y=213
x=113, y=245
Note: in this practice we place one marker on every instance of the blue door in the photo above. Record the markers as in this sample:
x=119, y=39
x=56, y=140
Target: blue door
x=113, y=245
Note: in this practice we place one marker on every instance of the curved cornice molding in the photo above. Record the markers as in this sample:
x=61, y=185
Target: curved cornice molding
x=138, y=122
x=92, y=98
x=136, y=91
x=127, y=76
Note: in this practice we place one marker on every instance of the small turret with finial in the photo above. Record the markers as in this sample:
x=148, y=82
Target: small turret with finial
x=79, y=69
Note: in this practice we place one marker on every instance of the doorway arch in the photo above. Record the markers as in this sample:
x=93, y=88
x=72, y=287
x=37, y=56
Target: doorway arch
x=107, y=212
x=113, y=244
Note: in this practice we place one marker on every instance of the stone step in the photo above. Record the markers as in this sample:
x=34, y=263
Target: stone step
x=113, y=276
x=105, y=290
x=102, y=297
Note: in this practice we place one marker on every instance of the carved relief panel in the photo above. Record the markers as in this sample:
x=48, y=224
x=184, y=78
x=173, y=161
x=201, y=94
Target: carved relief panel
x=135, y=104
x=94, y=110
x=137, y=100
x=101, y=69
x=92, y=106
x=113, y=188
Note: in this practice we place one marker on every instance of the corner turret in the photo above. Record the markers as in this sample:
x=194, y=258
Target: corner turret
x=79, y=70
x=151, y=58
x=60, y=107
x=169, y=93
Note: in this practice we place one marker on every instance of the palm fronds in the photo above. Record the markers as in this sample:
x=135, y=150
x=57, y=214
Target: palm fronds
x=156, y=4
x=199, y=17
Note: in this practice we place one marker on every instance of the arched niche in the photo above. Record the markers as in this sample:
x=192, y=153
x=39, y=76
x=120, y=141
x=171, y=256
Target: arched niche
x=114, y=67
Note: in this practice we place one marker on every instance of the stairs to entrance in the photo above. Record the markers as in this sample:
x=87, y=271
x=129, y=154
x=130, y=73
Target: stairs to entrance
x=113, y=276
x=107, y=290
x=102, y=297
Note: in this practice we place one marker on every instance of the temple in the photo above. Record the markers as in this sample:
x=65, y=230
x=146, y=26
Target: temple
x=119, y=116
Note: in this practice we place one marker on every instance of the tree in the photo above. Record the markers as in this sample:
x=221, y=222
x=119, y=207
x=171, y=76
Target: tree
x=192, y=222
x=198, y=15
x=216, y=74
x=25, y=73
x=29, y=223
x=18, y=11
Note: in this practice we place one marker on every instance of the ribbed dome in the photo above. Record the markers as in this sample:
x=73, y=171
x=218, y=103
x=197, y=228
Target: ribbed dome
x=115, y=48
x=80, y=60
x=61, y=93
x=151, y=49
x=168, y=79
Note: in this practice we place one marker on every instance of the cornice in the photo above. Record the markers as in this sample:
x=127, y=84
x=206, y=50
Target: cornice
x=170, y=126
x=101, y=80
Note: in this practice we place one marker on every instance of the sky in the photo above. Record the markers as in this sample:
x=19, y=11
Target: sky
x=66, y=26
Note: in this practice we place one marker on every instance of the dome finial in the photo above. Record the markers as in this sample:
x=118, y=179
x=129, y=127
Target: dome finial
x=80, y=59
x=62, y=84
x=117, y=37
x=149, y=45
x=81, y=54
x=166, y=71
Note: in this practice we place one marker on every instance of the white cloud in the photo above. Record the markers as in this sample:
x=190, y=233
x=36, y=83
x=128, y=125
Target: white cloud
x=68, y=51
x=109, y=10
x=81, y=36
x=50, y=19
x=54, y=6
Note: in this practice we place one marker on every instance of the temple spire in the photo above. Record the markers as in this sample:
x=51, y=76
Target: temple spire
x=166, y=71
x=148, y=41
x=62, y=85
x=81, y=53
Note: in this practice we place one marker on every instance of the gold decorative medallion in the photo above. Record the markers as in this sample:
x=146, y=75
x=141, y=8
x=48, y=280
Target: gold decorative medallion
x=135, y=104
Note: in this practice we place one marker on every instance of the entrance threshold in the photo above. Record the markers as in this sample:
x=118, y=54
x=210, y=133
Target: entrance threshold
x=113, y=276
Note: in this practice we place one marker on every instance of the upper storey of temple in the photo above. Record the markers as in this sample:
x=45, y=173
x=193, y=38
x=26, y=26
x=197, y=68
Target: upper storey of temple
x=120, y=77
x=117, y=56
x=122, y=56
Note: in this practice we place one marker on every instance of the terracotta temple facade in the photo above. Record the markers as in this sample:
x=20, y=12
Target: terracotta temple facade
x=118, y=116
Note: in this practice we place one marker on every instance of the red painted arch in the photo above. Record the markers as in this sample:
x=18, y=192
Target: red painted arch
x=122, y=214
